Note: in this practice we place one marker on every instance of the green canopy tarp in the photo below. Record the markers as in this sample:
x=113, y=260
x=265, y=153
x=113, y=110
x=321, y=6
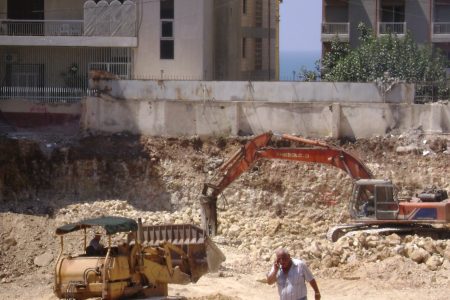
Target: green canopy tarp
x=111, y=225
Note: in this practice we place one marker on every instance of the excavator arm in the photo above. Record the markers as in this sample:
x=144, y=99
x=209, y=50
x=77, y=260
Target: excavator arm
x=256, y=149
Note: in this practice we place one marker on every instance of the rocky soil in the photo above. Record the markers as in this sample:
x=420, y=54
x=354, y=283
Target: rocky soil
x=49, y=181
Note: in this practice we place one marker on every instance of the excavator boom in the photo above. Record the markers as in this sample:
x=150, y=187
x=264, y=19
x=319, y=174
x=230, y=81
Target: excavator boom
x=256, y=149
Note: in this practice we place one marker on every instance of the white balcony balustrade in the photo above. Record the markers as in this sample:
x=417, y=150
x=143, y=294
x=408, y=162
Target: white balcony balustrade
x=41, y=27
x=398, y=28
x=441, y=28
x=333, y=30
x=441, y=32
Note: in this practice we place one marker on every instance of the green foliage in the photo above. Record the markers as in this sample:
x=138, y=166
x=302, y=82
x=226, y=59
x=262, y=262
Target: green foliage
x=72, y=78
x=310, y=75
x=399, y=57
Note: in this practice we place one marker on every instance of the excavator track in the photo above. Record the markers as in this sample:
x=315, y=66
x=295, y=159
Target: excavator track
x=336, y=232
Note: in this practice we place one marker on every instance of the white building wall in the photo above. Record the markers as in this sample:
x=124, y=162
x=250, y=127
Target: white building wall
x=192, y=52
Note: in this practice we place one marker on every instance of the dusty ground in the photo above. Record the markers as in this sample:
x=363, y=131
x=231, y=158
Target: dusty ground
x=49, y=180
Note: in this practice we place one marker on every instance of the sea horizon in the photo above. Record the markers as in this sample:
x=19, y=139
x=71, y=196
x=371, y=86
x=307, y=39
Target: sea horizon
x=291, y=62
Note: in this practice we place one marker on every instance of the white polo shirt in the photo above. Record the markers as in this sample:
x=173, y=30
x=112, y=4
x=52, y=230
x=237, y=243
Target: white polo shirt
x=292, y=286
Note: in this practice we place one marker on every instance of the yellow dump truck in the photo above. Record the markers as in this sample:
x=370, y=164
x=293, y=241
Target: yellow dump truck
x=142, y=265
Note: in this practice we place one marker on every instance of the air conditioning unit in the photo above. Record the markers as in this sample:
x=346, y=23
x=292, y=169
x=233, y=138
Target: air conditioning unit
x=10, y=58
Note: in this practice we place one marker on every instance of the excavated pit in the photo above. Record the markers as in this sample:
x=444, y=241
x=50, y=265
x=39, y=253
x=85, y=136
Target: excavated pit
x=48, y=181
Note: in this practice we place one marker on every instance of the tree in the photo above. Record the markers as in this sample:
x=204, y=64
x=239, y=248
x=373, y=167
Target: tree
x=399, y=57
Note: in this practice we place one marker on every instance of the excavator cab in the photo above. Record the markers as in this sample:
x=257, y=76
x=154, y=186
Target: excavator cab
x=374, y=199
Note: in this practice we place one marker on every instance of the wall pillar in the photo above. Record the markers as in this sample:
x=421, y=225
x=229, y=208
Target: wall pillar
x=237, y=115
x=436, y=118
x=335, y=120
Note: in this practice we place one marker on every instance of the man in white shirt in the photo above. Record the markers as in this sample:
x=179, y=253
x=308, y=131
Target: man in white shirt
x=290, y=275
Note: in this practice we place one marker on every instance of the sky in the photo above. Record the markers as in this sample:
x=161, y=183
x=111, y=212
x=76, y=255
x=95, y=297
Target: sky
x=300, y=25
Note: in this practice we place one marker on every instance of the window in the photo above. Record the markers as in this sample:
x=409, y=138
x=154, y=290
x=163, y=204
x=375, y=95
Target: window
x=258, y=13
x=258, y=54
x=244, y=7
x=166, y=29
x=167, y=9
x=167, y=41
x=167, y=49
x=244, y=47
x=393, y=13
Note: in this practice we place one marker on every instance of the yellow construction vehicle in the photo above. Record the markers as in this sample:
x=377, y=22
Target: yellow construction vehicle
x=143, y=265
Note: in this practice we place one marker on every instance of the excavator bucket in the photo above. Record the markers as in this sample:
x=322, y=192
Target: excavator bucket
x=191, y=250
x=214, y=256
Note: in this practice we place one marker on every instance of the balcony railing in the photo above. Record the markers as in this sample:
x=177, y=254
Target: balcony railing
x=335, y=28
x=44, y=94
x=392, y=27
x=41, y=27
x=66, y=28
x=441, y=28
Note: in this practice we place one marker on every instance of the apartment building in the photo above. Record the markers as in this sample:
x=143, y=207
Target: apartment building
x=247, y=39
x=47, y=47
x=427, y=20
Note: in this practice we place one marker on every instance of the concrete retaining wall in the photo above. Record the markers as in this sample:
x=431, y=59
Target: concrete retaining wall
x=223, y=108
x=254, y=91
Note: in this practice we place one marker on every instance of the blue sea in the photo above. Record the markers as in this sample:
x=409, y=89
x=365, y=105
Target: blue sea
x=291, y=63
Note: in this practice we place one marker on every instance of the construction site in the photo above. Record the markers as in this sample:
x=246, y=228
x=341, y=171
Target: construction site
x=156, y=149
x=52, y=179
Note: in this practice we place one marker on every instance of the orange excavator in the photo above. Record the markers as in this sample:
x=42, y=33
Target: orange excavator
x=374, y=204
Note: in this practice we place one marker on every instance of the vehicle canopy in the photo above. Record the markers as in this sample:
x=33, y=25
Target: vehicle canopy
x=110, y=224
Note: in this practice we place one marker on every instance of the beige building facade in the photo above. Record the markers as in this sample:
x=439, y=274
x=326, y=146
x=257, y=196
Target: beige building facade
x=48, y=47
x=246, y=40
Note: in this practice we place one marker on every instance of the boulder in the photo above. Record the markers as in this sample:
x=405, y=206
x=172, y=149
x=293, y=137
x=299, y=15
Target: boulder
x=411, y=148
x=43, y=260
x=233, y=230
x=419, y=255
x=446, y=254
x=427, y=244
x=315, y=249
x=393, y=239
x=330, y=261
x=399, y=249
x=434, y=262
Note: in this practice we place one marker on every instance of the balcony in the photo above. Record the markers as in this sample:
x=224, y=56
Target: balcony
x=441, y=32
x=64, y=33
x=332, y=30
x=41, y=28
x=398, y=28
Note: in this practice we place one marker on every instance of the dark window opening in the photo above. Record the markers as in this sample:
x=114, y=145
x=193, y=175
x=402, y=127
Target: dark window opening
x=167, y=9
x=258, y=13
x=26, y=9
x=244, y=47
x=395, y=14
x=244, y=7
x=167, y=49
x=166, y=29
x=258, y=54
